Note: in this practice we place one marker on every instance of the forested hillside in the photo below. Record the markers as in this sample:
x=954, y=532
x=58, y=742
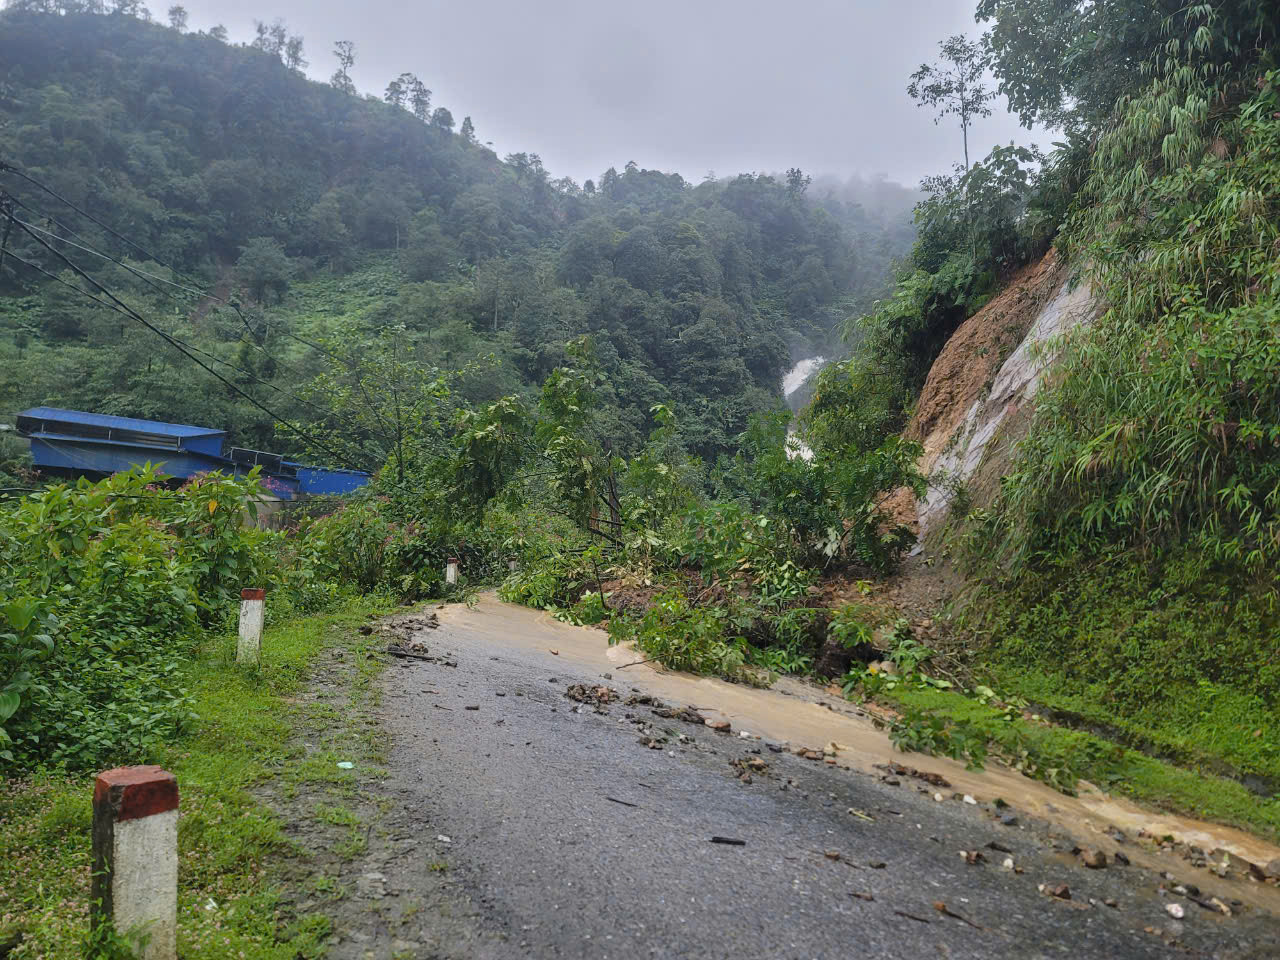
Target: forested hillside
x=358, y=220
x=1120, y=557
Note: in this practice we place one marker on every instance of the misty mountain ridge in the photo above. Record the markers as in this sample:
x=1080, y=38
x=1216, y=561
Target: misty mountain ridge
x=225, y=163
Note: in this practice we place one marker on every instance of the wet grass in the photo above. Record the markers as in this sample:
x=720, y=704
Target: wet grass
x=1118, y=769
x=228, y=840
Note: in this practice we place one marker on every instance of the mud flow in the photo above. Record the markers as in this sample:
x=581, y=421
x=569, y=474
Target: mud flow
x=802, y=715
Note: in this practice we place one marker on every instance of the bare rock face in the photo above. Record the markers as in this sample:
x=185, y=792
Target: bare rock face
x=978, y=397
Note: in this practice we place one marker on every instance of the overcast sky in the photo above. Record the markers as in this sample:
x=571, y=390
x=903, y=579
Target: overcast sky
x=684, y=85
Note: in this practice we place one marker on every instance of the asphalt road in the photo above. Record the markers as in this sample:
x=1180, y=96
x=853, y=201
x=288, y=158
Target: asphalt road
x=567, y=837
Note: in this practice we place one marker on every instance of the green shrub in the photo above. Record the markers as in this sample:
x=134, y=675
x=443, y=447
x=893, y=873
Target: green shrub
x=684, y=637
x=103, y=587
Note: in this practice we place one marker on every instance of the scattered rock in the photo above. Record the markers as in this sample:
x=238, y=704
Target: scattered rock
x=687, y=714
x=748, y=765
x=365, y=629
x=1111, y=903
x=586, y=693
x=1120, y=858
x=1174, y=910
x=775, y=747
x=472, y=706
x=938, y=798
x=1272, y=869
x=972, y=857
x=554, y=653
x=1093, y=859
x=1007, y=863
x=968, y=798
x=1009, y=820
x=1061, y=891
x=720, y=726
x=901, y=770
x=1218, y=905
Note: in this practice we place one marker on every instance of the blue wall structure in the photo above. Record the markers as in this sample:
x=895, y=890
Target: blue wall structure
x=75, y=443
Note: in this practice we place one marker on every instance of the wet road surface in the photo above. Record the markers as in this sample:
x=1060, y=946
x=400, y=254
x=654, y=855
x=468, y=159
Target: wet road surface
x=568, y=837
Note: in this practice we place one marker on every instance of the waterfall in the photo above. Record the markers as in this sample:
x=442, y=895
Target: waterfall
x=795, y=378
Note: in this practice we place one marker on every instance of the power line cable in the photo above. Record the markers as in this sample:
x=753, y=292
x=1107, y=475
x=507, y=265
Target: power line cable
x=326, y=413
x=10, y=168
x=122, y=307
x=253, y=342
x=127, y=311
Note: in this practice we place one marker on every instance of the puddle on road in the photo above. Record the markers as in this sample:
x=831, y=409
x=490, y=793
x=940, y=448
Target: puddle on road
x=803, y=715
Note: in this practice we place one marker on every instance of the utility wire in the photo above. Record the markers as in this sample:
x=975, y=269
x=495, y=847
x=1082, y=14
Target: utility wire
x=323, y=411
x=122, y=307
x=10, y=168
x=127, y=311
x=326, y=413
x=147, y=277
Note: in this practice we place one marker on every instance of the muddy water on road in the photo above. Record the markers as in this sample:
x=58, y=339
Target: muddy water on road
x=803, y=715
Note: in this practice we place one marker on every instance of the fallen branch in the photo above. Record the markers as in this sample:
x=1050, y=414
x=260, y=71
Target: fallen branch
x=637, y=663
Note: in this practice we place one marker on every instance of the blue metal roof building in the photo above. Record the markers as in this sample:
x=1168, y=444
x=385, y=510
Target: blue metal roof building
x=76, y=443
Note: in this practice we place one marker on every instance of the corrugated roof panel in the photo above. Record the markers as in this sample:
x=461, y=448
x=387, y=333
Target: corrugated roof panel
x=58, y=415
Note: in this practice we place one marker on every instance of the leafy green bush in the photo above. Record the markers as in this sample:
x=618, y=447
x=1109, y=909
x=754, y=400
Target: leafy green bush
x=25, y=638
x=685, y=637
x=825, y=508
x=103, y=587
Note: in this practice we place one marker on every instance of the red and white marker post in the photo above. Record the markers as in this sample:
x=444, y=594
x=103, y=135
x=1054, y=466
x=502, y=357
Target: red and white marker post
x=252, y=610
x=135, y=858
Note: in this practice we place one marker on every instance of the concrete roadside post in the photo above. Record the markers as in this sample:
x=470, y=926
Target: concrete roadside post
x=512, y=564
x=451, y=571
x=252, y=603
x=135, y=858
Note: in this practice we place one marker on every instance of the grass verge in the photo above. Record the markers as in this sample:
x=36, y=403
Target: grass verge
x=229, y=842
x=1063, y=754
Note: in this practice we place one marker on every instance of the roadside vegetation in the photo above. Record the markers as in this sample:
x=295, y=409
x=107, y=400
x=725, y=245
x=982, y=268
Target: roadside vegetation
x=498, y=348
x=231, y=846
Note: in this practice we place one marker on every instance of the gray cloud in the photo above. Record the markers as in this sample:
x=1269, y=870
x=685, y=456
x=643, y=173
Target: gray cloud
x=692, y=86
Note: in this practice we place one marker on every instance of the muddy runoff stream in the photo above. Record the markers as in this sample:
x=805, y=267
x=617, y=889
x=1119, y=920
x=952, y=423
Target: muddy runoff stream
x=803, y=715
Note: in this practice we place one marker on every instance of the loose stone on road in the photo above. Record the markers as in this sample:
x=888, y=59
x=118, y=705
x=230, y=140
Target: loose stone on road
x=603, y=817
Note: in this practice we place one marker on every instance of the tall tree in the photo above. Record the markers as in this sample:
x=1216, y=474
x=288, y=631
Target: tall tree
x=395, y=93
x=293, y=58
x=954, y=86
x=178, y=17
x=345, y=51
x=419, y=97
x=442, y=119
x=468, y=130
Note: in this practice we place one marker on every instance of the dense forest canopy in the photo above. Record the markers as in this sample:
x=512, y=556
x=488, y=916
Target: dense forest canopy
x=326, y=215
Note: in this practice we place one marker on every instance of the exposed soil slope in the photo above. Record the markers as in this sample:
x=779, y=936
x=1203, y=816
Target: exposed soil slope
x=965, y=369
x=975, y=404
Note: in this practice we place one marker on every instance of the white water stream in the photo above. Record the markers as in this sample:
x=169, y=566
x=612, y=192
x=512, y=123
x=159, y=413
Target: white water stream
x=800, y=373
x=796, y=378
